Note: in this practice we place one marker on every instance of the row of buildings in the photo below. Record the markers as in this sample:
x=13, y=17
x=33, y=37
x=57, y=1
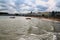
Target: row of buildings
x=50, y=14
x=45, y=14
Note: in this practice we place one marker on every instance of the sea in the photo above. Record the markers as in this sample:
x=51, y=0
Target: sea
x=27, y=28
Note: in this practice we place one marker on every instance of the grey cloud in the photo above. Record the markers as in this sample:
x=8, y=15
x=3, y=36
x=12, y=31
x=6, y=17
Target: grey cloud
x=42, y=8
x=58, y=4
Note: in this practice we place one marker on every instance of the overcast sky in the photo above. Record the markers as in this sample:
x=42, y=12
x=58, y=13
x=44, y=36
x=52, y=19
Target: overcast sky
x=29, y=5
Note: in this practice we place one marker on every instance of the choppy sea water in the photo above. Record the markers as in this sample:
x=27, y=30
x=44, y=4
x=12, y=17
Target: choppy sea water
x=20, y=28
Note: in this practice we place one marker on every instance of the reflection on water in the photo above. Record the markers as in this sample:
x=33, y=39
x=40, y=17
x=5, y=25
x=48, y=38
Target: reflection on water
x=20, y=28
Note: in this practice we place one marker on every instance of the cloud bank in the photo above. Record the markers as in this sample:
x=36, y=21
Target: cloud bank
x=14, y=6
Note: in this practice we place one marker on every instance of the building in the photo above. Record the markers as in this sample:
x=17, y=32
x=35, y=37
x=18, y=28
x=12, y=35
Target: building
x=55, y=14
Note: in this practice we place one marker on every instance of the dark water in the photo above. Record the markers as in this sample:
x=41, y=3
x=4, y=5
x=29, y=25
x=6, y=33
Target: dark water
x=19, y=28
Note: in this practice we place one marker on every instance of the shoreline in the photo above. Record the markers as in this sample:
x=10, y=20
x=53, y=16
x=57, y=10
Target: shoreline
x=44, y=18
x=49, y=19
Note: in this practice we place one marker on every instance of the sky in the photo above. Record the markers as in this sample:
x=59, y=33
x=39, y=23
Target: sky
x=24, y=6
